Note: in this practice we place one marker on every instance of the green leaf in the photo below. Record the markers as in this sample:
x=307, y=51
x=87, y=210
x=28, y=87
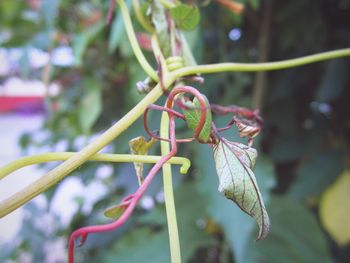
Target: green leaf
x=90, y=106
x=186, y=17
x=114, y=212
x=140, y=146
x=237, y=227
x=234, y=163
x=295, y=237
x=316, y=173
x=192, y=117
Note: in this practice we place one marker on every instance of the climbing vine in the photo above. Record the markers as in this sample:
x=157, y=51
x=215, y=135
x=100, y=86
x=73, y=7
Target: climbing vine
x=175, y=76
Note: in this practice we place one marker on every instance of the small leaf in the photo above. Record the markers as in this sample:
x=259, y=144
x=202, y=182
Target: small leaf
x=234, y=163
x=115, y=212
x=140, y=146
x=186, y=17
x=192, y=117
x=335, y=209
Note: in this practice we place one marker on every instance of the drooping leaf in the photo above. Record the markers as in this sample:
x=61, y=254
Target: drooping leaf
x=186, y=17
x=140, y=146
x=192, y=116
x=234, y=163
x=237, y=227
x=335, y=209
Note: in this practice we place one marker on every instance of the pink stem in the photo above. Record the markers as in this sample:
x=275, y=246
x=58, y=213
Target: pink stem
x=133, y=199
x=84, y=231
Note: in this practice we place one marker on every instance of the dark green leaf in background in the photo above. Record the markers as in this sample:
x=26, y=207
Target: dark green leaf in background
x=316, y=173
x=334, y=81
x=295, y=236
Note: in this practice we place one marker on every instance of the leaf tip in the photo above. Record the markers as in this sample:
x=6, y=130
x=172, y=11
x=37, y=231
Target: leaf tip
x=264, y=228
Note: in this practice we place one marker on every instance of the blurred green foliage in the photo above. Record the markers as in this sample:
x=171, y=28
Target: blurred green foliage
x=303, y=148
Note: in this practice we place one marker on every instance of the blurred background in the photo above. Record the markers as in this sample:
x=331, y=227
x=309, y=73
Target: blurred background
x=66, y=76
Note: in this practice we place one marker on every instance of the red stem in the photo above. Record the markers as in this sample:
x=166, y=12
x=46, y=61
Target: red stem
x=133, y=199
x=84, y=231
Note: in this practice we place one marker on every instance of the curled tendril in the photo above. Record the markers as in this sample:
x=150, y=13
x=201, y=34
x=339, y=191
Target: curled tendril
x=171, y=102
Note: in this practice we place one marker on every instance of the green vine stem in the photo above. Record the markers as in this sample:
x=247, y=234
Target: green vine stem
x=140, y=17
x=74, y=160
x=61, y=171
x=175, y=251
x=133, y=41
x=57, y=174
x=102, y=157
x=268, y=66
